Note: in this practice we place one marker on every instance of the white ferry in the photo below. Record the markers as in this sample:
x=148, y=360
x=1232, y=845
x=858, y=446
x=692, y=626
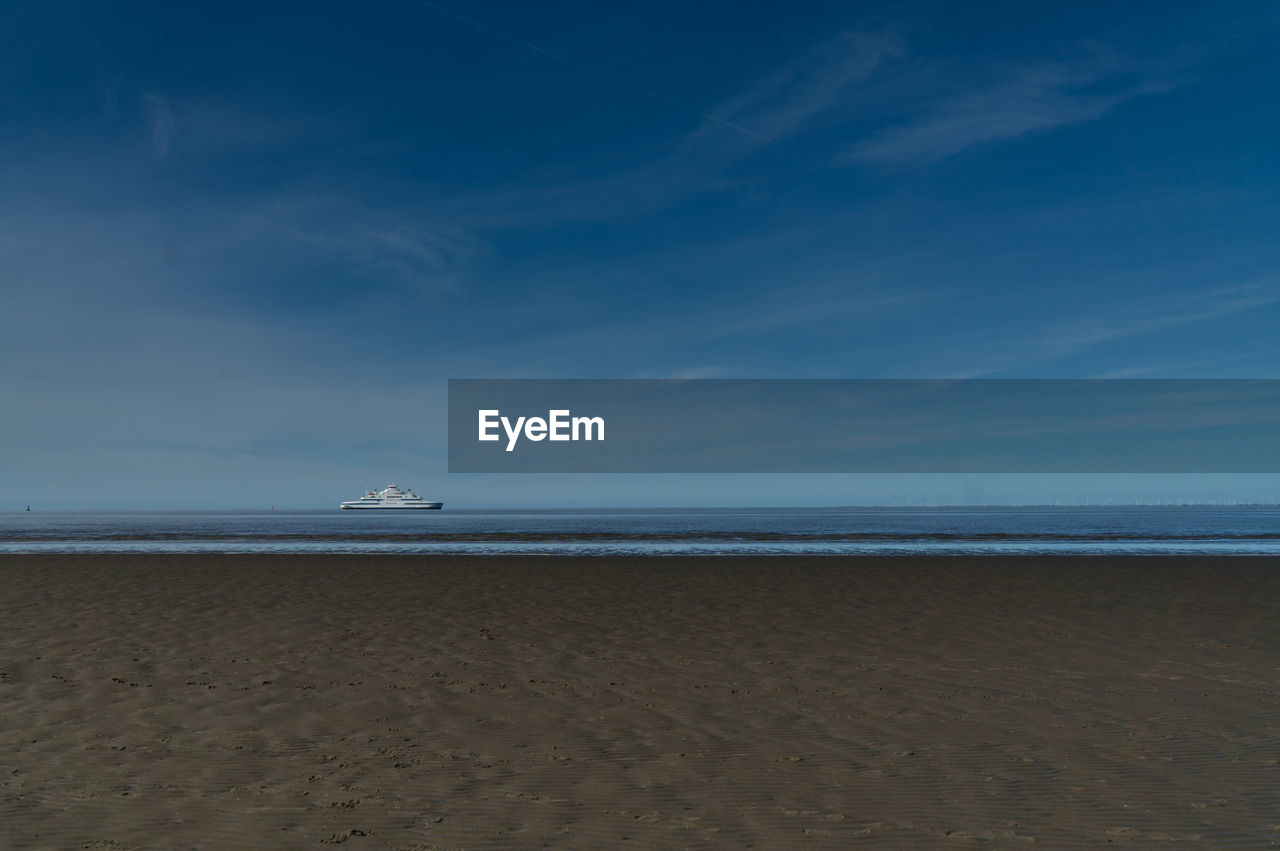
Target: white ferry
x=390, y=497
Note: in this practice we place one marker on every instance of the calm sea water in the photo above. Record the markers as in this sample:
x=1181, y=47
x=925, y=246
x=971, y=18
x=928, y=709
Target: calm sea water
x=1191, y=529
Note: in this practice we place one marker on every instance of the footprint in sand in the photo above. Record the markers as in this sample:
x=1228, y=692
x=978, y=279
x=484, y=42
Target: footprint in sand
x=342, y=836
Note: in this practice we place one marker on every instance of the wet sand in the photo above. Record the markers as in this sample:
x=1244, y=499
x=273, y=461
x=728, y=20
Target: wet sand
x=472, y=702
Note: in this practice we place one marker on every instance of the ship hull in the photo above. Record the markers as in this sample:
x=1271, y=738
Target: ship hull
x=423, y=507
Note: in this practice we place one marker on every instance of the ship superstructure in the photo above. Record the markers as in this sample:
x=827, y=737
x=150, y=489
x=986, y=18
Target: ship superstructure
x=390, y=497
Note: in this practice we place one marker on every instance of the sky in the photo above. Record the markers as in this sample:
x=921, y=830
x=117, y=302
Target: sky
x=243, y=246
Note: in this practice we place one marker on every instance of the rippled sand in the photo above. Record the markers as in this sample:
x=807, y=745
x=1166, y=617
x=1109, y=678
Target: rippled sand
x=466, y=702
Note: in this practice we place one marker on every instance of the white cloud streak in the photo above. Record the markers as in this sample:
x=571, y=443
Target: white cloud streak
x=161, y=121
x=582, y=66
x=1038, y=98
x=1061, y=339
x=797, y=93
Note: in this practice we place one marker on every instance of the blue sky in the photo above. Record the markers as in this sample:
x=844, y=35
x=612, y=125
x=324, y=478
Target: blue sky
x=241, y=248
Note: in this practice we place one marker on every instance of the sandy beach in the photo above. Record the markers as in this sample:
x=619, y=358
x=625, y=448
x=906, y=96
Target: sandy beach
x=430, y=702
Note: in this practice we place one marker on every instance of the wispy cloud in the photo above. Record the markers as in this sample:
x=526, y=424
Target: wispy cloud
x=1064, y=338
x=1182, y=368
x=783, y=103
x=1071, y=337
x=394, y=246
x=787, y=99
x=688, y=373
x=1036, y=98
x=420, y=255
x=840, y=309
x=580, y=66
x=161, y=121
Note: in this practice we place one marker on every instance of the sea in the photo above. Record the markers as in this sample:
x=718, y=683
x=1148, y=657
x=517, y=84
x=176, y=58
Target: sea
x=1130, y=530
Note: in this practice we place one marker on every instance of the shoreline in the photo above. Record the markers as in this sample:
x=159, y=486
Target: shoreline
x=462, y=701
